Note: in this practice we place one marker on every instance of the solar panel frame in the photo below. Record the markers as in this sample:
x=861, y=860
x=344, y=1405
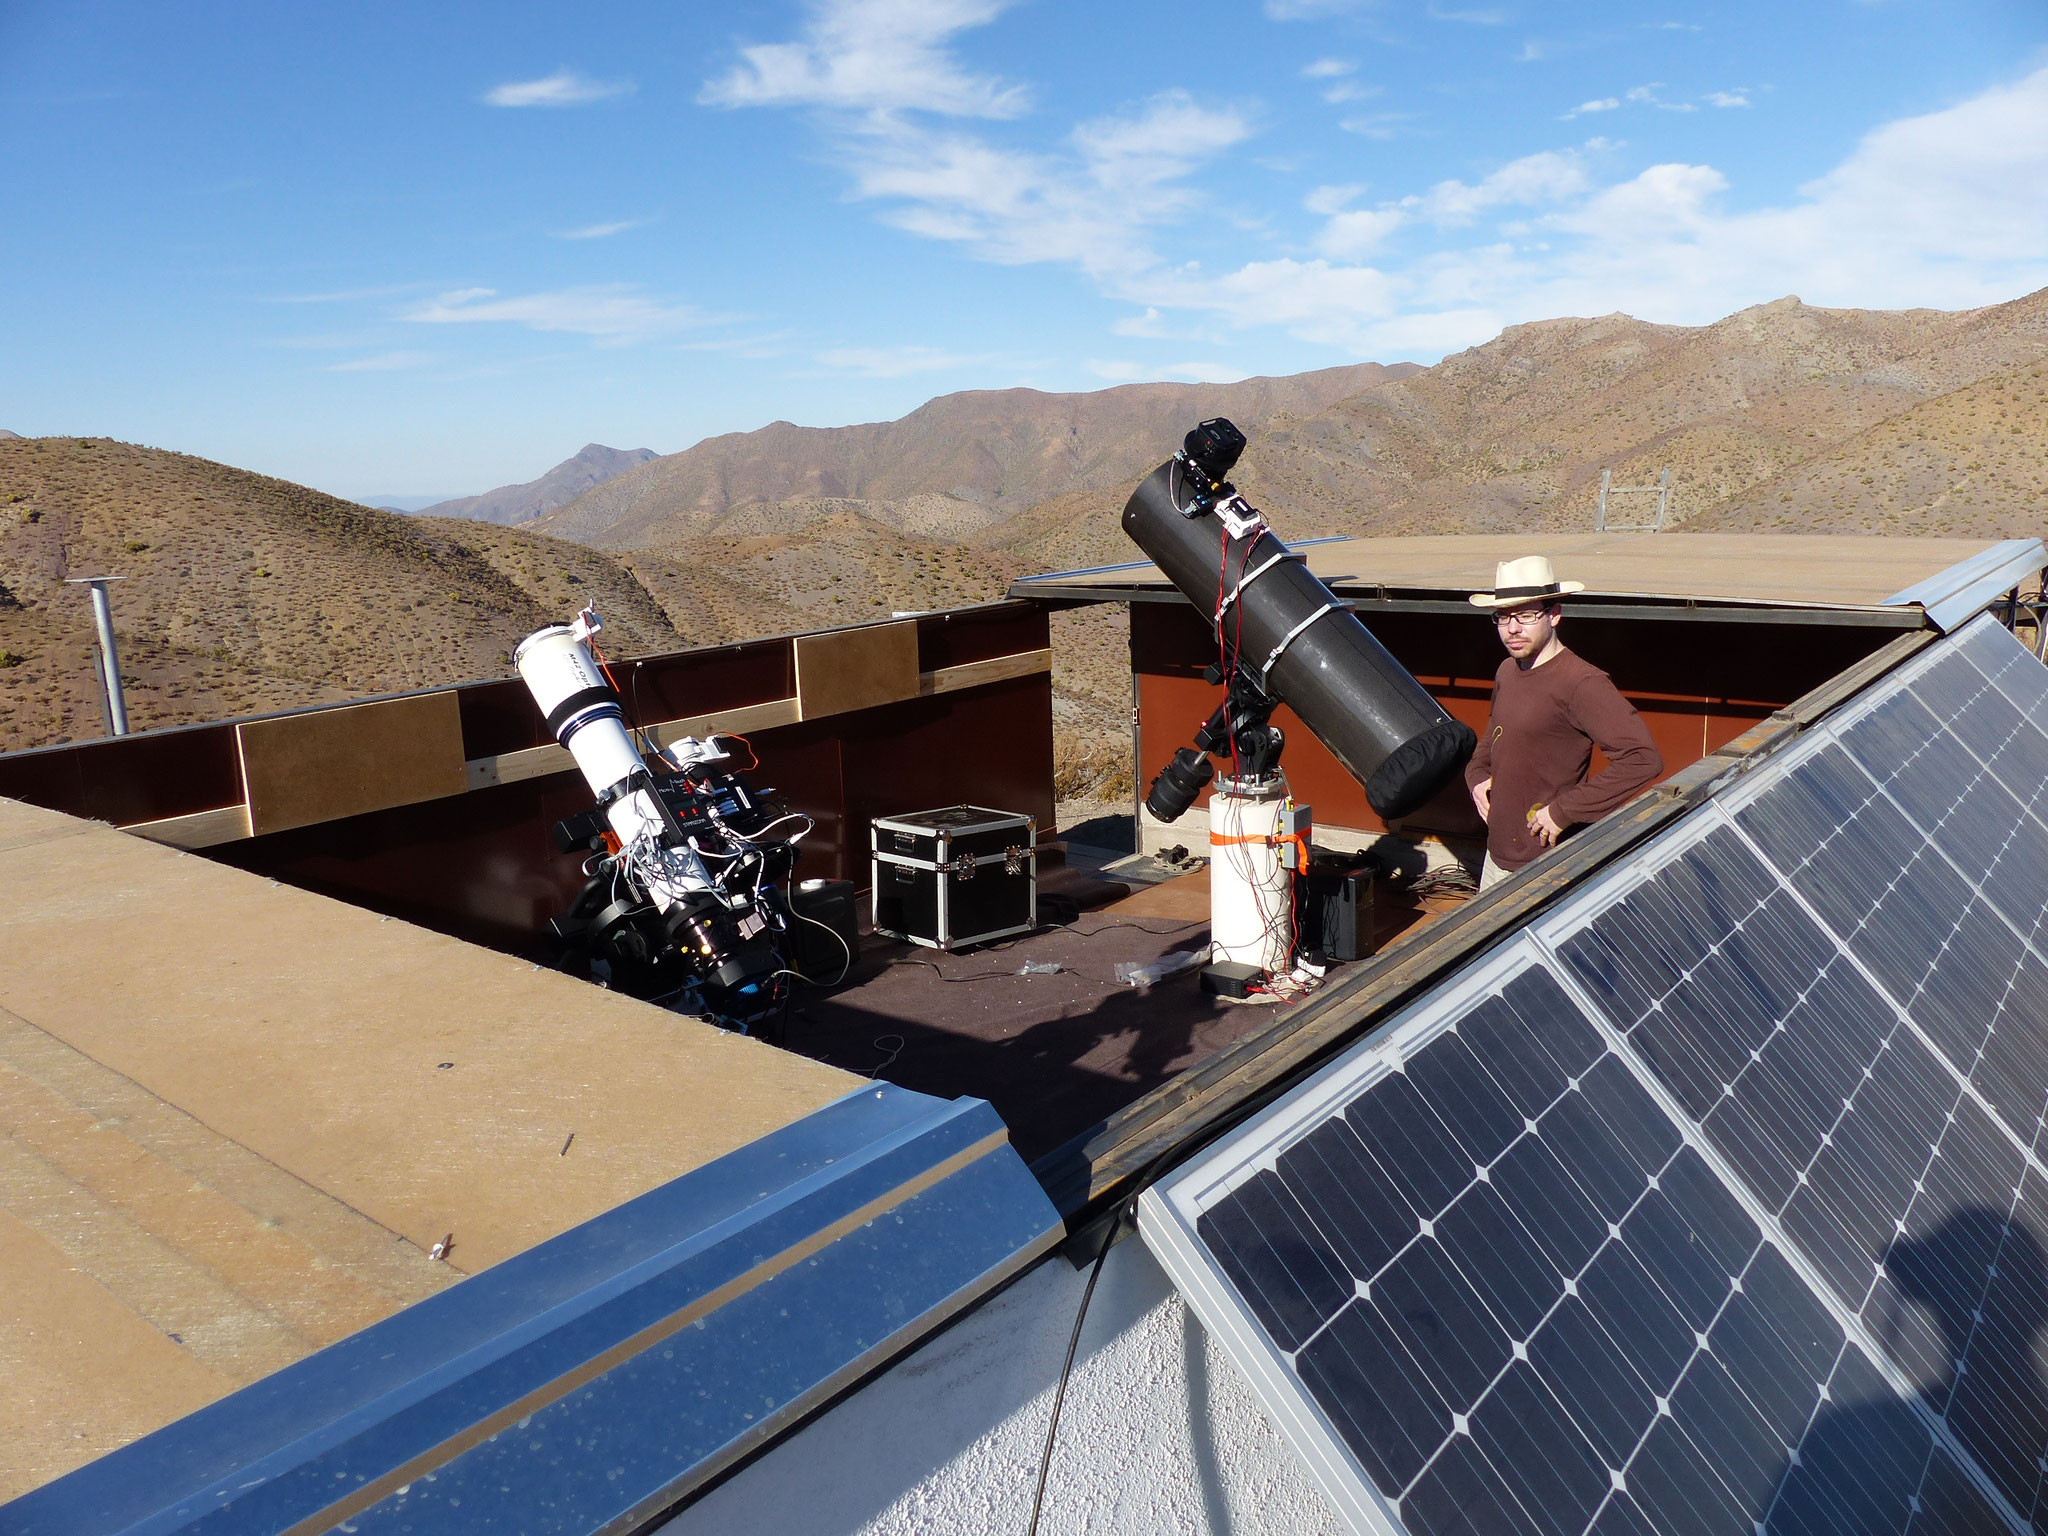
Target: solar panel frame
x=1172, y=1209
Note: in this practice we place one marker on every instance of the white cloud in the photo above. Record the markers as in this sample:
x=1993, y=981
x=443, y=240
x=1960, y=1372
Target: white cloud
x=1376, y=125
x=1090, y=207
x=1599, y=104
x=1549, y=177
x=1646, y=95
x=1328, y=69
x=601, y=231
x=1348, y=236
x=1936, y=210
x=1329, y=200
x=615, y=315
x=881, y=56
x=1941, y=210
x=1309, y=10
x=564, y=88
x=1350, y=90
x=893, y=362
x=383, y=362
x=1739, y=97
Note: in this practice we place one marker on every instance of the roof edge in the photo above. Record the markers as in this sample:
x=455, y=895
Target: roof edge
x=1965, y=589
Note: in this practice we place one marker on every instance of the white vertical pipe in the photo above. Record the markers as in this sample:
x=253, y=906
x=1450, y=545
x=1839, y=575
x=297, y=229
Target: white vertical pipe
x=110, y=660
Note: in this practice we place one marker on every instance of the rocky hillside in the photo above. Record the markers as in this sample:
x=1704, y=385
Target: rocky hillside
x=1784, y=417
x=241, y=593
x=952, y=467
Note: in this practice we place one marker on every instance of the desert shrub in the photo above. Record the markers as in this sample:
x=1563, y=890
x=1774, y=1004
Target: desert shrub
x=1089, y=766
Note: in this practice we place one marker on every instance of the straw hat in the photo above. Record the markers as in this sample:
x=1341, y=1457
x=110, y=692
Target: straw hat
x=1527, y=580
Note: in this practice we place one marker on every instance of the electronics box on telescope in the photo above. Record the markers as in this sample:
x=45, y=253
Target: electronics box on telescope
x=957, y=876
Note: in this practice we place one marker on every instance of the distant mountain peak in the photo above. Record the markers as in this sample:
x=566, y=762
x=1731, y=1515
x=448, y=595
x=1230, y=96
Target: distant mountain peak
x=592, y=465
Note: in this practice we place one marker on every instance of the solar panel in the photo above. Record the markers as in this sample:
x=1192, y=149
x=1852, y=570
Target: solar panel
x=1714, y=1202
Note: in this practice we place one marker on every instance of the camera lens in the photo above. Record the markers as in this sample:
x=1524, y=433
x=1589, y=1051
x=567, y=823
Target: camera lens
x=1180, y=784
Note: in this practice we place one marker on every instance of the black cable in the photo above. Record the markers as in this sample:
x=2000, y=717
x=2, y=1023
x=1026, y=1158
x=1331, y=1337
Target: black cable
x=1140, y=1180
x=1193, y=922
x=1059, y=1396
x=977, y=976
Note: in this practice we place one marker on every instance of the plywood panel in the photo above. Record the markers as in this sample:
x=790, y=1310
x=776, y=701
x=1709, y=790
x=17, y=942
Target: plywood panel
x=848, y=669
x=323, y=764
x=1823, y=569
x=231, y=1141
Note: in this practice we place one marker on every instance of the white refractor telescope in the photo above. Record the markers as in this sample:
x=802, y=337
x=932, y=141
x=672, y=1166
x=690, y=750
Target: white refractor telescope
x=685, y=898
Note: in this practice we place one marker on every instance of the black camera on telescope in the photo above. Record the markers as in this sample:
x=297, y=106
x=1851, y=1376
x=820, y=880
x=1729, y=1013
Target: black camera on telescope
x=1213, y=447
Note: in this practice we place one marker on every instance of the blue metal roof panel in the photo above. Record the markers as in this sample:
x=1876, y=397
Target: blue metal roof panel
x=603, y=1375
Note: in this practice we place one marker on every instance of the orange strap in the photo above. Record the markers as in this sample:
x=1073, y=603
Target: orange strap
x=1264, y=840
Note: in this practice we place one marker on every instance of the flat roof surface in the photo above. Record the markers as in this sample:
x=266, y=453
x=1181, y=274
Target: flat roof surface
x=236, y=1117
x=1807, y=570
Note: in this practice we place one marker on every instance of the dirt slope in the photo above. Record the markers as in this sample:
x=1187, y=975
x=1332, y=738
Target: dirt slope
x=241, y=593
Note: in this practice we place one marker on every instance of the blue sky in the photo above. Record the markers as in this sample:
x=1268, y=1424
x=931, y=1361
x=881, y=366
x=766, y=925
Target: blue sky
x=403, y=249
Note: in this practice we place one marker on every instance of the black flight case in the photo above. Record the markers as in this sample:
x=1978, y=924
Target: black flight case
x=957, y=876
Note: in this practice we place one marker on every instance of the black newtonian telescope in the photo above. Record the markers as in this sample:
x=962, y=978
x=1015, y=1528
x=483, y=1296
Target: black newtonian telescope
x=1283, y=637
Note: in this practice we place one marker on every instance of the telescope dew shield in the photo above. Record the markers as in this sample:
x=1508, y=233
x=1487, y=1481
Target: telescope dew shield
x=585, y=715
x=1299, y=643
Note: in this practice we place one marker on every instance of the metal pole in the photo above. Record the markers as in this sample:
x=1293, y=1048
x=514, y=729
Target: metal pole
x=1137, y=740
x=109, y=657
x=1600, y=517
x=1663, y=496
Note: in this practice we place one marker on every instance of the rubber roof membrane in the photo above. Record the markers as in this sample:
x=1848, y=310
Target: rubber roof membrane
x=1714, y=1201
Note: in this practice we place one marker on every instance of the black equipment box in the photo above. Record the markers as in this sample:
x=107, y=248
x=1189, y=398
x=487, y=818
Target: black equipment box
x=956, y=876
x=1336, y=911
x=824, y=933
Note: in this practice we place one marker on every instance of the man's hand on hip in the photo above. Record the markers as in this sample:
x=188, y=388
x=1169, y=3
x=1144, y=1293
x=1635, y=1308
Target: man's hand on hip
x=1482, y=796
x=1545, y=826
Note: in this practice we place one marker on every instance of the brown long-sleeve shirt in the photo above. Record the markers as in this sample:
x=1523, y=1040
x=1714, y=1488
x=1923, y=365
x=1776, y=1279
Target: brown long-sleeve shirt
x=1539, y=743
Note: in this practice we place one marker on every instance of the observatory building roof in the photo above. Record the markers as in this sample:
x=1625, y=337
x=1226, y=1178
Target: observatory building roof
x=1949, y=579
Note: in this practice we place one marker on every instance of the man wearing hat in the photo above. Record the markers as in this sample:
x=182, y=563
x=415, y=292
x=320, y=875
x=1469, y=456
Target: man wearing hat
x=1550, y=709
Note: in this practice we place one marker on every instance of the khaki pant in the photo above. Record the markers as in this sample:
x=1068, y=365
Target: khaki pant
x=1491, y=874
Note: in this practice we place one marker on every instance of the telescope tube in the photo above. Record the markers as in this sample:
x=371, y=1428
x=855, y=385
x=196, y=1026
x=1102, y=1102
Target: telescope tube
x=1296, y=640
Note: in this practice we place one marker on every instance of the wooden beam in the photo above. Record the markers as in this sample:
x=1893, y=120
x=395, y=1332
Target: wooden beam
x=972, y=674
x=201, y=829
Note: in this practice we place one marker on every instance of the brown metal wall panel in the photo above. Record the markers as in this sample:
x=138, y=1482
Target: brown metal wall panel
x=130, y=778
x=499, y=717
x=687, y=683
x=990, y=746
x=980, y=634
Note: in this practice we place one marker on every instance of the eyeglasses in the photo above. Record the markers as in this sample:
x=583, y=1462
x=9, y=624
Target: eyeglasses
x=1519, y=618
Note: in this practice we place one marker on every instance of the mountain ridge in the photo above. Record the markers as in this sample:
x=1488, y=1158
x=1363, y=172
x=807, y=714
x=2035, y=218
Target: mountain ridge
x=993, y=452
x=591, y=466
